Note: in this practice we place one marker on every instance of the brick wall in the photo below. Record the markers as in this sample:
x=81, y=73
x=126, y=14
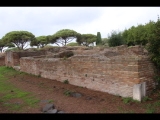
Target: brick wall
x=113, y=70
x=13, y=58
x=2, y=59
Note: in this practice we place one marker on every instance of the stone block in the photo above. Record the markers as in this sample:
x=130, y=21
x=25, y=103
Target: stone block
x=137, y=92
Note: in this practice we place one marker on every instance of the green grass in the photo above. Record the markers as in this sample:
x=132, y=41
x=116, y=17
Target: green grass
x=150, y=108
x=50, y=101
x=146, y=98
x=157, y=104
x=9, y=91
x=128, y=100
x=67, y=92
x=66, y=81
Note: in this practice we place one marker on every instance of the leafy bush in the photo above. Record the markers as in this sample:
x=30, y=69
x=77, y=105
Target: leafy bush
x=66, y=81
x=154, y=45
x=115, y=39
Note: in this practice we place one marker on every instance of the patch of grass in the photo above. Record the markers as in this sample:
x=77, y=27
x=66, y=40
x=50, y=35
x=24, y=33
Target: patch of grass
x=150, y=108
x=66, y=81
x=156, y=104
x=31, y=100
x=39, y=75
x=128, y=100
x=64, y=58
x=81, y=86
x=9, y=72
x=9, y=91
x=13, y=107
x=67, y=92
x=9, y=96
x=146, y=98
x=41, y=84
x=50, y=101
x=117, y=95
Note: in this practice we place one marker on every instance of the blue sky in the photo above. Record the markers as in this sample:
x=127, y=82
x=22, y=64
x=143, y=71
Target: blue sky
x=48, y=20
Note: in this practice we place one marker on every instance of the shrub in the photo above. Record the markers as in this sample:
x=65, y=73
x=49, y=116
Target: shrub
x=66, y=81
x=115, y=39
x=128, y=100
x=67, y=92
x=154, y=45
x=146, y=98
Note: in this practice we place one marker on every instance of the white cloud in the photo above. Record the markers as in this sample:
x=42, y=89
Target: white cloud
x=48, y=20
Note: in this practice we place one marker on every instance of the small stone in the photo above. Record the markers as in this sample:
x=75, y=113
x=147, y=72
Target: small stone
x=77, y=95
x=102, y=100
x=44, y=101
x=7, y=103
x=60, y=112
x=47, y=107
x=17, y=103
x=88, y=98
x=52, y=111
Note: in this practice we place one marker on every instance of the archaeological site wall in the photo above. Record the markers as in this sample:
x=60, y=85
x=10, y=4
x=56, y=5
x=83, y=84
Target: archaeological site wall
x=13, y=58
x=2, y=60
x=113, y=70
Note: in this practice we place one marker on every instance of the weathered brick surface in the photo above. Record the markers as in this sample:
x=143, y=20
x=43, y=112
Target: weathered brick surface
x=113, y=70
x=13, y=58
x=2, y=59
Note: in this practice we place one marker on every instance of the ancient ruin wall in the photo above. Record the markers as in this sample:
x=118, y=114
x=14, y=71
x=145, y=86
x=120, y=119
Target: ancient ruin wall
x=2, y=59
x=114, y=70
x=13, y=58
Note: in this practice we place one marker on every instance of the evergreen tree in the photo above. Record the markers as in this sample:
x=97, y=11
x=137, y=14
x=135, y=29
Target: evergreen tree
x=99, y=39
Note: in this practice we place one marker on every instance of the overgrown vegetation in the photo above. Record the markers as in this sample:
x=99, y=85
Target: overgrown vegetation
x=146, y=98
x=115, y=39
x=67, y=92
x=66, y=81
x=154, y=44
x=128, y=100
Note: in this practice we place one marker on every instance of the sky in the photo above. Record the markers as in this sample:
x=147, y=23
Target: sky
x=85, y=20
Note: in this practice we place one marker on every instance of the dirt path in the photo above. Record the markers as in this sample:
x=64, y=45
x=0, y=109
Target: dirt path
x=90, y=101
